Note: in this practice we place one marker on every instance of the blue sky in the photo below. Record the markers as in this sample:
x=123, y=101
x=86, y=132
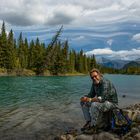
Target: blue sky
x=109, y=28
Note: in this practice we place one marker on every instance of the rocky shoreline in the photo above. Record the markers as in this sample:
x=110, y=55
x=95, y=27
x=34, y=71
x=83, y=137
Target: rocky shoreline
x=133, y=111
x=28, y=72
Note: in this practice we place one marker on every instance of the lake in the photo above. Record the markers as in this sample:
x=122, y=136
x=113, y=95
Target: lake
x=41, y=107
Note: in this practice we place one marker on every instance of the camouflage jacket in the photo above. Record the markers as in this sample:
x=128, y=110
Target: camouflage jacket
x=105, y=89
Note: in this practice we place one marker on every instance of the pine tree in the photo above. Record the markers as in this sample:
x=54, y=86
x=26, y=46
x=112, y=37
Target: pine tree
x=57, y=59
x=31, y=55
x=11, y=52
x=50, y=53
x=93, y=63
x=3, y=47
x=85, y=65
x=21, y=51
x=81, y=62
x=65, y=50
x=72, y=61
x=26, y=50
x=39, y=57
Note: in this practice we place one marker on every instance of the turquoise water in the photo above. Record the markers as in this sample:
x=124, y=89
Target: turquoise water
x=41, y=107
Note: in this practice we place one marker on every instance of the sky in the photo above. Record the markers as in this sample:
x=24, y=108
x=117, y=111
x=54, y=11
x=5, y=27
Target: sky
x=105, y=28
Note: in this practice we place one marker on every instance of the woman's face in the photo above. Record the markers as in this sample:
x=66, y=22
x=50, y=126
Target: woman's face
x=95, y=77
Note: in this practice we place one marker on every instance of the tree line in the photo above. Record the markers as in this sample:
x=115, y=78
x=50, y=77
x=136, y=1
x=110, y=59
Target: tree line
x=56, y=57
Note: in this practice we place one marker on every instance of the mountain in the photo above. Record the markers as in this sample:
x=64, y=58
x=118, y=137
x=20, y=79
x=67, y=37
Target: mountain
x=117, y=64
x=132, y=64
x=137, y=60
x=101, y=60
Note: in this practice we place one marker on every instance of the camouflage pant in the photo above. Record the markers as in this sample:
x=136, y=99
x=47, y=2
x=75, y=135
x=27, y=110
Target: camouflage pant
x=93, y=111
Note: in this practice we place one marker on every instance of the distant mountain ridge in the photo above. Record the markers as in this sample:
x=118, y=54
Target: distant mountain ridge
x=118, y=64
x=137, y=60
x=132, y=64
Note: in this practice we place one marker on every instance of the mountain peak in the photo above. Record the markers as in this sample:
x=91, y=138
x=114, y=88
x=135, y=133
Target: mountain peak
x=138, y=60
x=117, y=64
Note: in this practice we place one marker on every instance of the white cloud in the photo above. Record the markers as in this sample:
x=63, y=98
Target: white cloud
x=62, y=14
x=136, y=37
x=109, y=42
x=79, y=38
x=104, y=51
x=121, y=54
x=75, y=13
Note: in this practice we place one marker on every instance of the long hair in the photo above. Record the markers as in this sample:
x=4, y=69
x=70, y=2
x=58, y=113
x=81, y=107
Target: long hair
x=96, y=70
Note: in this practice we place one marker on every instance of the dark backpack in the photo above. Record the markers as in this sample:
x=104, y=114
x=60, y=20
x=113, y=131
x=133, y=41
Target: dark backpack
x=120, y=122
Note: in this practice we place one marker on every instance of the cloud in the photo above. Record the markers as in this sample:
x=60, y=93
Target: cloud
x=104, y=51
x=61, y=15
x=79, y=38
x=91, y=33
x=73, y=13
x=136, y=37
x=59, y=18
x=109, y=42
x=21, y=13
x=121, y=54
x=18, y=19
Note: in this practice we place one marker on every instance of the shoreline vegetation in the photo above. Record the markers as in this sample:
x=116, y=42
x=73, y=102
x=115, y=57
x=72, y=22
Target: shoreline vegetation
x=21, y=57
x=27, y=72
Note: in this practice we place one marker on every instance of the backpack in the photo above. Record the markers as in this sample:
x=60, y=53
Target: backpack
x=120, y=122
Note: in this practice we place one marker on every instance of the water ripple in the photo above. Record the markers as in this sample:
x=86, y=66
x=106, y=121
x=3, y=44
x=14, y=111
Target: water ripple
x=41, y=107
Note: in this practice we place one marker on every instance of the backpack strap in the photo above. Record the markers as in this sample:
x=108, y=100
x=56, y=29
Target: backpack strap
x=126, y=117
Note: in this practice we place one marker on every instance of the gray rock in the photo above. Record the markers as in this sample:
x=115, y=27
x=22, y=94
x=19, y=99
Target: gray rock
x=130, y=138
x=57, y=138
x=63, y=137
x=124, y=96
x=134, y=131
x=125, y=137
x=137, y=136
x=105, y=136
x=138, y=127
x=84, y=137
x=100, y=136
x=67, y=137
x=138, y=118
